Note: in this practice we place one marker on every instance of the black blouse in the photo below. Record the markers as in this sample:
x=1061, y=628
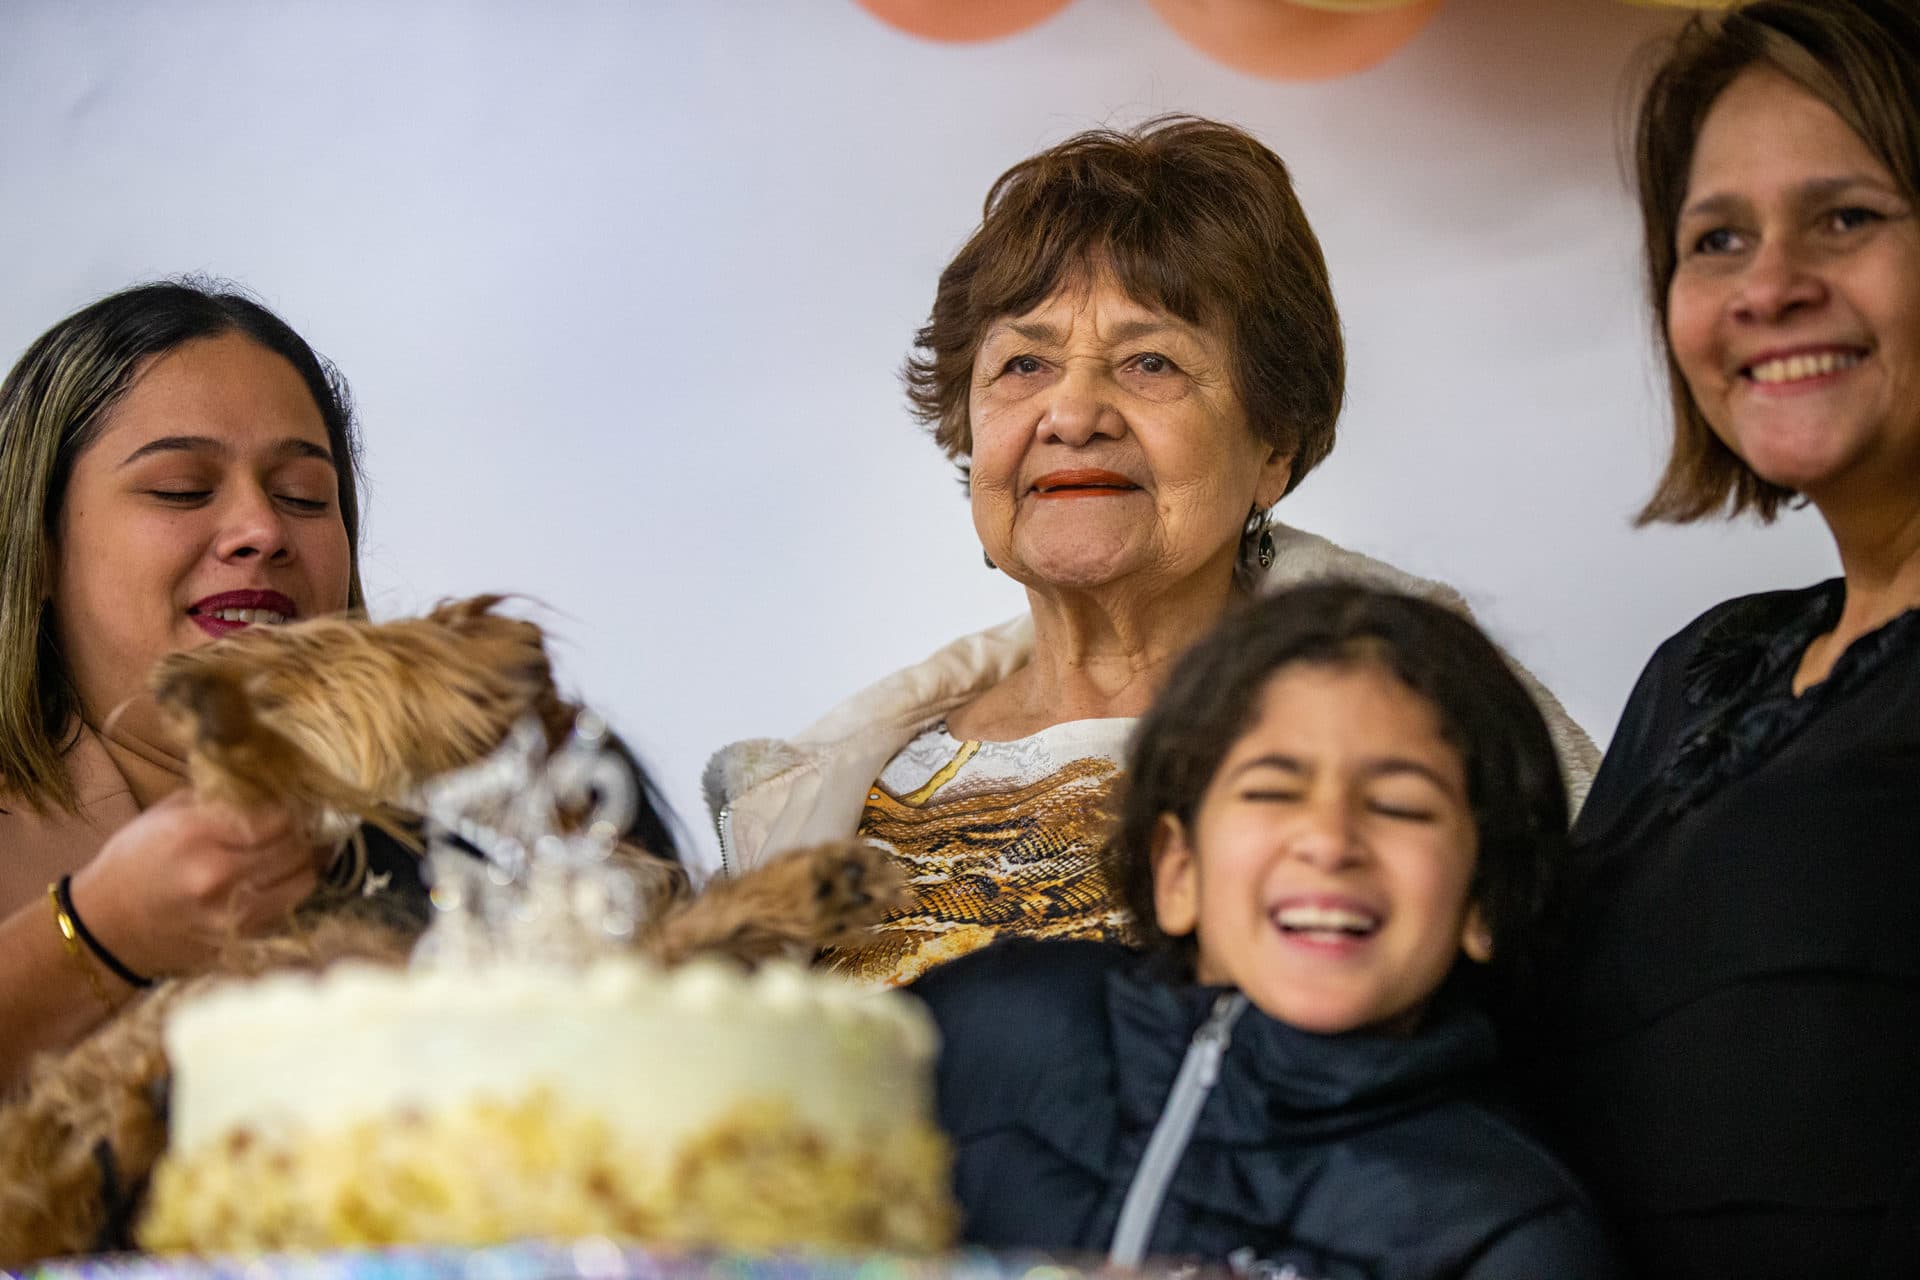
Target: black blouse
x=1737, y=1063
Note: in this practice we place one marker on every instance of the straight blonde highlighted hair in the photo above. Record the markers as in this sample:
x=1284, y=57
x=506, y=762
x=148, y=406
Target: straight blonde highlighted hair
x=52, y=406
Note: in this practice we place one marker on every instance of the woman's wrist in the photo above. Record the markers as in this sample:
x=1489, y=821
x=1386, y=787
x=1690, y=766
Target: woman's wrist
x=104, y=931
x=74, y=927
x=69, y=931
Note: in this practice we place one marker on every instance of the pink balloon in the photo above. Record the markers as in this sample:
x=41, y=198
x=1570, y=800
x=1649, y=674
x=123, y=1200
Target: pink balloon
x=962, y=20
x=1285, y=41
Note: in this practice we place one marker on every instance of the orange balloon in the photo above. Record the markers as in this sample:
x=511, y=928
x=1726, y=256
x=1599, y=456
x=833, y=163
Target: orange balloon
x=962, y=20
x=1285, y=41
x=1356, y=6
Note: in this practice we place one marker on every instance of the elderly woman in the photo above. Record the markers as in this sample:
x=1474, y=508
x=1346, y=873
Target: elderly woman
x=175, y=464
x=1738, y=1070
x=1133, y=358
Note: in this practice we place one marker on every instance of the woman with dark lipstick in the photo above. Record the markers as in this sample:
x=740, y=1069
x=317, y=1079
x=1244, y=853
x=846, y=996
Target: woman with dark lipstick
x=1742, y=1017
x=1134, y=357
x=175, y=464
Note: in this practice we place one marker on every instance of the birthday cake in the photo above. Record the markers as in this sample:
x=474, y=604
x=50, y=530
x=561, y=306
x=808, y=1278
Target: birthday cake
x=703, y=1106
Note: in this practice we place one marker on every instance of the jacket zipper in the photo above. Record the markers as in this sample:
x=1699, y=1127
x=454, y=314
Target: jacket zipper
x=1171, y=1133
x=722, y=827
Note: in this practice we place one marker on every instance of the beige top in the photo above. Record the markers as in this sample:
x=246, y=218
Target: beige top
x=37, y=848
x=770, y=796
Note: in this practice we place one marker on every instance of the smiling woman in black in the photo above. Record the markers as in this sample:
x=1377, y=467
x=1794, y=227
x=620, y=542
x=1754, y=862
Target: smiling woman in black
x=1739, y=1082
x=1735, y=1055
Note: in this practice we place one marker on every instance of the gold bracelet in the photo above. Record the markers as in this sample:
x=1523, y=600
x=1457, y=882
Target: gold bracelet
x=71, y=938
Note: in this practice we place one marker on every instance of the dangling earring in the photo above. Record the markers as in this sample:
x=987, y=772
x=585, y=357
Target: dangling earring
x=989, y=559
x=1256, y=536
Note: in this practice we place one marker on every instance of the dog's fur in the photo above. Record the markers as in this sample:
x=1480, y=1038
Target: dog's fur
x=77, y=1144
x=341, y=720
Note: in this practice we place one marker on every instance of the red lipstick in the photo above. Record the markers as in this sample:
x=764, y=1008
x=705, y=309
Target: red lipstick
x=206, y=612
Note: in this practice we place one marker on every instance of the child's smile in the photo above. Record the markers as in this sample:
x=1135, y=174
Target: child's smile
x=1327, y=871
x=1326, y=922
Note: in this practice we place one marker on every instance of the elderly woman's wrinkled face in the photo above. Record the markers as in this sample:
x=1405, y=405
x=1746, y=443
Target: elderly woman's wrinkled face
x=1794, y=310
x=1109, y=446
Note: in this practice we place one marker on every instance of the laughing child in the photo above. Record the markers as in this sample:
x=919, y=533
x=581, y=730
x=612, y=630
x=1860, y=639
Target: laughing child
x=1336, y=839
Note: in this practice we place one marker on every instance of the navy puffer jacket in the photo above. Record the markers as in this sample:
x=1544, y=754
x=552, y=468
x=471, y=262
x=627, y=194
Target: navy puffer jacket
x=1344, y=1157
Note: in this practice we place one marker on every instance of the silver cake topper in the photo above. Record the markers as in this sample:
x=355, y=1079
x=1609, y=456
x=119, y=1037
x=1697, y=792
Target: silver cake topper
x=547, y=885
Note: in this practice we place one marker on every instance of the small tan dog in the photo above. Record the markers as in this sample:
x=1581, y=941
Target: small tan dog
x=341, y=721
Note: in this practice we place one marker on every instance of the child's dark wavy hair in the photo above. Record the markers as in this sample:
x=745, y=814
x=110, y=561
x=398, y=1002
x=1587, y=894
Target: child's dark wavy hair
x=1514, y=785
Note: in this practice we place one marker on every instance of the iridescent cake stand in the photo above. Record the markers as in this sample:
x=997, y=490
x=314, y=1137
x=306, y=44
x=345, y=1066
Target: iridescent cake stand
x=583, y=1260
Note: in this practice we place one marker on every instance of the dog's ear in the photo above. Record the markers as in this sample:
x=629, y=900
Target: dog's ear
x=474, y=618
x=233, y=755
x=513, y=647
x=458, y=613
x=207, y=698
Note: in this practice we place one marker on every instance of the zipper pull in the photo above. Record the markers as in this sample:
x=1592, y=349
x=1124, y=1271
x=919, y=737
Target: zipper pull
x=1210, y=1042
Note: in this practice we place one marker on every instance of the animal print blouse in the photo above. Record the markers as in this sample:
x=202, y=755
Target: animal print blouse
x=996, y=838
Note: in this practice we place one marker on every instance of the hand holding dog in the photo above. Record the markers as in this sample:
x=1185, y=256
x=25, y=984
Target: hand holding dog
x=170, y=889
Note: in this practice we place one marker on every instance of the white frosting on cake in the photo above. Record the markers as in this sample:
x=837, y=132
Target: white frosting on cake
x=660, y=1055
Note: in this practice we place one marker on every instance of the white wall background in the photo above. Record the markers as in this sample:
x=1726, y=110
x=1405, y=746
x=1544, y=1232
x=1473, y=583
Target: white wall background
x=622, y=289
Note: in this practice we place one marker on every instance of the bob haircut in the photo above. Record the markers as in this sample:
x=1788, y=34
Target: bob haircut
x=1194, y=218
x=1514, y=786
x=52, y=406
x=1861, y=58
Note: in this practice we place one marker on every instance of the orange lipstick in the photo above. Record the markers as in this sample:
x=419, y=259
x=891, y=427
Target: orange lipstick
x=1082, y=482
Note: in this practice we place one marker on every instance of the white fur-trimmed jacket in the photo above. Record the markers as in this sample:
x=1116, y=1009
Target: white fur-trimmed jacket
x=769, y=795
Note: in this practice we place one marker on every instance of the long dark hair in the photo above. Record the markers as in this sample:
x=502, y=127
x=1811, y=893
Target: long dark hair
x=52, y=406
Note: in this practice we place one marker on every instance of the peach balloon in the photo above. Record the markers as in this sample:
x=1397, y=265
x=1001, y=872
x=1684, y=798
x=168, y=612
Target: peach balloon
x=1283, y=40
x=962, y=20
x=1356, y=6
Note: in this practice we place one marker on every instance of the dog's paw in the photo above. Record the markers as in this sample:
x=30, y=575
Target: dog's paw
x=854, y=885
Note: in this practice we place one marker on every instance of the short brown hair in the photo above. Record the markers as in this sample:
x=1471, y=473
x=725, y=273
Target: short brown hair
x=52, y=406
x=1193, y=217
x=1861, y=58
